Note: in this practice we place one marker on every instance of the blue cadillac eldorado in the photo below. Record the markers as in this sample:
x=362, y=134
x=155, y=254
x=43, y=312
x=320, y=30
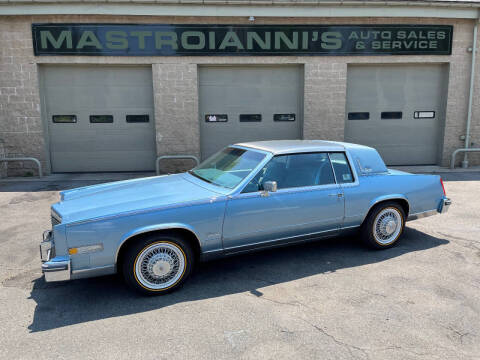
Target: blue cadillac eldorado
x=246, y=197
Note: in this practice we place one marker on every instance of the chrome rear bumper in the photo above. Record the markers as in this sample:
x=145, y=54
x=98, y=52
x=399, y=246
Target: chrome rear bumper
x=444, y=205
x=55, y=268
x=441, y=209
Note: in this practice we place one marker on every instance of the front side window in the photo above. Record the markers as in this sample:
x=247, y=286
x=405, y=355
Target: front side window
x=295, y=170
x=343, y=172
x=228, y=167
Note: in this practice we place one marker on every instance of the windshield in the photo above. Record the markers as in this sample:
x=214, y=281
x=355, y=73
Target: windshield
x=228, y=167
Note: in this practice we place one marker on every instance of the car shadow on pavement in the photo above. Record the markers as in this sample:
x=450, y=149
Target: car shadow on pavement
x=79, y=301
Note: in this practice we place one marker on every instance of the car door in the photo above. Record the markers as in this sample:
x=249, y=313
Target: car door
x=307, y=201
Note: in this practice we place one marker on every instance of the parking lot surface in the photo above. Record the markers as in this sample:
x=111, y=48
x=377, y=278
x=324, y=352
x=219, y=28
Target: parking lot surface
x=331, y=299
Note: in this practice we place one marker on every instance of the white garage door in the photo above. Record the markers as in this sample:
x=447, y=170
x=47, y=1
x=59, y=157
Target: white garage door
x=249, y=103
x=100, y=118
x=399, y=110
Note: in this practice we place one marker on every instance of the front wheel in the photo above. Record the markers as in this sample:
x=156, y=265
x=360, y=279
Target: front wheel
x=158, y=264
x=384, y=225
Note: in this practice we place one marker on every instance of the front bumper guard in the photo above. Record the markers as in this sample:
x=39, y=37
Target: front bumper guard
x=55, y=268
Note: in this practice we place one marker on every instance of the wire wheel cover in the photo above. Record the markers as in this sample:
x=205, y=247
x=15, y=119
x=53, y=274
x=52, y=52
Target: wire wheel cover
x=387, y=225
x=160, y=265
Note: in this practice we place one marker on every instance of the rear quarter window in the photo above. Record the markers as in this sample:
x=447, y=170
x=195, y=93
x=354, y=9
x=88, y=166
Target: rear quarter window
x=341, y=167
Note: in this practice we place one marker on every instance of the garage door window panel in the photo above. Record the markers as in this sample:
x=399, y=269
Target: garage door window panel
x=64, y=119
x=284, y=117
x=137, y=118
x=214, y=118
x=294, y=171
x=391, y=115
x=358, y=115
x=101, y=119
x=250, y=117
x=424, y=115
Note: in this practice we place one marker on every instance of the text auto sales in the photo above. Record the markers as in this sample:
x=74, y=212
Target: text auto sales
x=404, y=39
x=142, y=40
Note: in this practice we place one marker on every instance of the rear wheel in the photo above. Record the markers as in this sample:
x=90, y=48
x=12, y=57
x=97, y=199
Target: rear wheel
x=158, y=264
x=384, y=225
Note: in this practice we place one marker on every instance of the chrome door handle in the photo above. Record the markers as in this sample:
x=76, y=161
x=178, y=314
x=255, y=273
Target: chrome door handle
x=336, y=194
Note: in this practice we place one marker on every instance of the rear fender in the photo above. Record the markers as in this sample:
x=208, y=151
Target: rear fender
x=382, y=198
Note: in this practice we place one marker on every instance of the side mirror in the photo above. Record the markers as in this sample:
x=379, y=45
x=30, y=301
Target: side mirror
x=270, y=186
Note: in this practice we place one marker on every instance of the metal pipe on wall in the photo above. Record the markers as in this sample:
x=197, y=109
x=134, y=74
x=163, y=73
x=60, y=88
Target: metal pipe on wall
x=470, y=96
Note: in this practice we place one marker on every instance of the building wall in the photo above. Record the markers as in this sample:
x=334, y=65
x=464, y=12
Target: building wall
x=176, y=88
x=474, y=158
x=21, y=128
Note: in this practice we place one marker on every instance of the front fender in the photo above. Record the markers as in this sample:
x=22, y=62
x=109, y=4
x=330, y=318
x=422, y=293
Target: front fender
x=150, y=228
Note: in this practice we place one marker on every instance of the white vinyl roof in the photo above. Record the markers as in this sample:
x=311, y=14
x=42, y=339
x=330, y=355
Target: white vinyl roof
x=294, y=146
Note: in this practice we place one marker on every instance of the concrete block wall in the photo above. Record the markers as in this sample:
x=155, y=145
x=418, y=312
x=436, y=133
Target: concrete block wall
x=176, y=108
x=175, y=84
x=21, y=128
x=324, y=100
x=458, y=91
x=176, y=105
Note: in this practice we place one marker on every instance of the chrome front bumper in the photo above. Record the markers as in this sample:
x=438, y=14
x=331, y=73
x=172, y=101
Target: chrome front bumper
x=55, y=268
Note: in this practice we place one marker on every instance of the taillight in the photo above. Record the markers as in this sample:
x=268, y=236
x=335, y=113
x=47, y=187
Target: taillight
x=443, y=187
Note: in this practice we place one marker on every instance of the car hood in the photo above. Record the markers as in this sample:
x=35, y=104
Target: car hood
x=126, y=196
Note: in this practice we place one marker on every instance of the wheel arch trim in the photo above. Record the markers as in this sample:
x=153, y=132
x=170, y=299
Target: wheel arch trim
x=153, y=228
x=391, y=197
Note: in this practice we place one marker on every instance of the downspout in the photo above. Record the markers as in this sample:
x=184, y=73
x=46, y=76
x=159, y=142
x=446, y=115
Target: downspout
x=470, y=96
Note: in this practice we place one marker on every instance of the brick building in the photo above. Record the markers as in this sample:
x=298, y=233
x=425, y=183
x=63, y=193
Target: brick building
x=111, y=85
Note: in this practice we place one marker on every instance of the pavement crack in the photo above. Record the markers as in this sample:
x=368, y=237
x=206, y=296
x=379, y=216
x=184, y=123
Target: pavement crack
x=373, y=293
x=348, y=346
x=458, y=334
x=463, y=242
